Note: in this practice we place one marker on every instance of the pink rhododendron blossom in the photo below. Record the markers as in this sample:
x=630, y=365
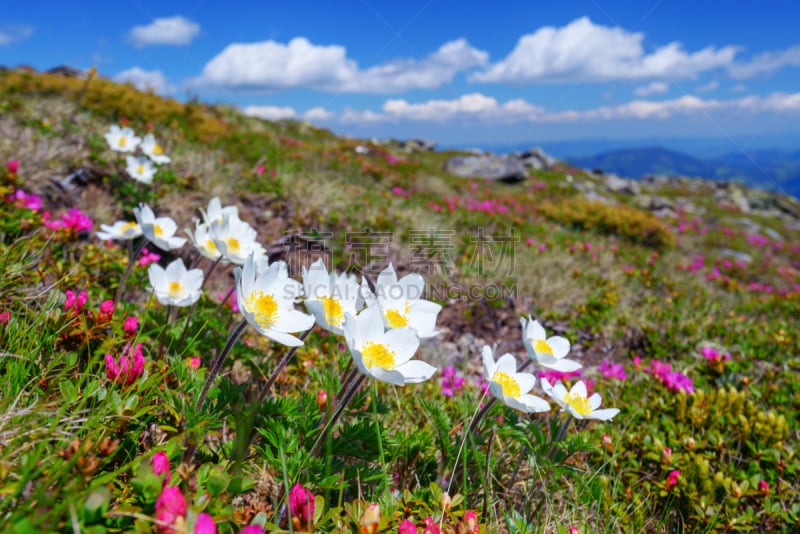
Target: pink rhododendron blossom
x=252, y=529
x=194, y=362
x=450, y=381
x=672, y=479
x=130, y=326
x=430, y=526
x=13, y=166
x=129, y=367
x=170, y=506
x=763, y=486
x=106, y=311
x=260, y=170
x=161, y=464
x=407, y=527
x=147, y=257
x=27, y=200
x=301, y=506
x=612, y=370
x=469, y=523
x=72, y=221
x=5, y=317
x=204, y=524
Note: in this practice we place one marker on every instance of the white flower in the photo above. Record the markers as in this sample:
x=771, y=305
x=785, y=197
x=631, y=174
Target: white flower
x=175, y=286
x=153, y=150
x=159, y=231
x=217, y=213
x=235, y=239
x=384, y=355
x=400, y=302
x=140, y=169
x=203, y=241
x=576, y=402
x=267, y=302
x=121, y=230
x=509, y=386
x=122, y=139
x=549, y=352
x=329, y=296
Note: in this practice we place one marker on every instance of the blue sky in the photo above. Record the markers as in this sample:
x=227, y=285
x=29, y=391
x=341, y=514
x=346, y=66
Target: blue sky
x=457, y=72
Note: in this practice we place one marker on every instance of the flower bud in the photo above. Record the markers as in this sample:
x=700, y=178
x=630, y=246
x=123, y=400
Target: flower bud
x=301, y=507
x=130, y=326
x=430, y=526
x=607, y=443
x=446, y=501
x=763, y=487
x=170, y=507
x=322, y=399
x=666, y=455
x=469, y=523
x=204, y=524
x=370, y=519
x=160, y=464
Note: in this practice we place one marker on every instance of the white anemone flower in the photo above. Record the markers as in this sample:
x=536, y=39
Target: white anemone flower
x=175, y=286
x=400, y=302
x=159, y=231
x=266, y=300
x=235, y=239
x=329, y=296
x=384, y=355
x=217, y=213
x=153, y=150
x=120, y=230
x=576, y=401
x=204, y=241
x=509, y=386
x=140, y=169
x=122, y=139
x=549, y=352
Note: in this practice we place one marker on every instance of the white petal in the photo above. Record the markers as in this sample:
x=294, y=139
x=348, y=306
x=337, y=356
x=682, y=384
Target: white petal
x=579, y=388
x=416, y=371
x=371, y=323
x=595, y=400
x=563, y=366
x=603, y=415
x=404, y=341
x=293, y=321
x=535, y=330
x=532, y=403
x=488, y=362
x=392, y=377
x=176, y=269
x=283, y=338
x=560, y=346
x=526, y=381
x=387, y=277
x=413, y=286
x=507, y=364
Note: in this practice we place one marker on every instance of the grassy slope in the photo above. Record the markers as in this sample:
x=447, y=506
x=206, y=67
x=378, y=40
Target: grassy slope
x=601, y=281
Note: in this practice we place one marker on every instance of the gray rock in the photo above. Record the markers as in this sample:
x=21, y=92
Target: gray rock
x=537, y=159
x=616, y=184
x=65, y=70
x=417, y=145
x=490, y=167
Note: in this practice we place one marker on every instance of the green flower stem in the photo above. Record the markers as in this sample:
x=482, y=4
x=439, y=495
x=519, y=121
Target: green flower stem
x=279, y=368
x=337, y=412
x=381, y=457
x=216, y=364
x=132, y=255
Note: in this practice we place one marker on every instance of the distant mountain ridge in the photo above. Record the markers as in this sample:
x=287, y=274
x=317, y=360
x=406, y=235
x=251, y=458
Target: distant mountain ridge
x=772, y=170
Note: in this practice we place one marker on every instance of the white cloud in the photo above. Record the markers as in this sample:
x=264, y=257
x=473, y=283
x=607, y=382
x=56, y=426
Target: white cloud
x=13, y=33
x=270, y=65
x=586, y=52
x=766, y=63
x=739, y=88
x=146, y=80
x=652, y=88
x=273, y=113
x=487, y=109
x=713, y=85
x=318, y=114
x=176, y=31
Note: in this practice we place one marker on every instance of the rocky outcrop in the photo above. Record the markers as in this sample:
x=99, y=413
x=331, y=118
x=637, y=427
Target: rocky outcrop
x=536, y=159
x=506, y=169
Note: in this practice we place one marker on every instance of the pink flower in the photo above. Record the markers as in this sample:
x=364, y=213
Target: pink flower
x=252, y=529
x=407, y=527
x=204, y=524
x=322, y=399
x=106, y=311
x=194, y=362
x=73, y=221
x=131, y=325
x=469, y=523
x=450, y=382
x=260, y=170
x=27, y=200
x=637, y=363
x=170, y=505
x=5, y=317
x=69, y=302
x=391, y=159
x=612, y=370
x=80, y=300
x=430, y=526
x=161, y=464
x=301, y=506
x=574, y=530
x=13, y=166
x=147, y=257
x=400, y=192
x=763, y=486
x=672, y=479
x=129, y=368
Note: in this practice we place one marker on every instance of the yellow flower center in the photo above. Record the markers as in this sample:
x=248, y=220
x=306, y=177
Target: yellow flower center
x=508, y=383
x=540, y=345
x=175, y=289
x=157, y=150
x=140, y=169
x=579, y=403
x=122, y=141
x=157, y=230
x=333, y=311
x=128, y=226
x=233, y=244
x=264, y=307
x=396, y=318
x=377, y=355
x=211, y=246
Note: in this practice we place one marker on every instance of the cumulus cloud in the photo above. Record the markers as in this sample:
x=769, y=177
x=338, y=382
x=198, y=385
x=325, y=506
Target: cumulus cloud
x=652, y=88
x=146, y=80
x=318, y=114
x=583, y=51
x=708, y=87
x=13, y=33
x=270, y=66
x=176, y=31
x=766, y=63
x=273, y=113
x=487, y=109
